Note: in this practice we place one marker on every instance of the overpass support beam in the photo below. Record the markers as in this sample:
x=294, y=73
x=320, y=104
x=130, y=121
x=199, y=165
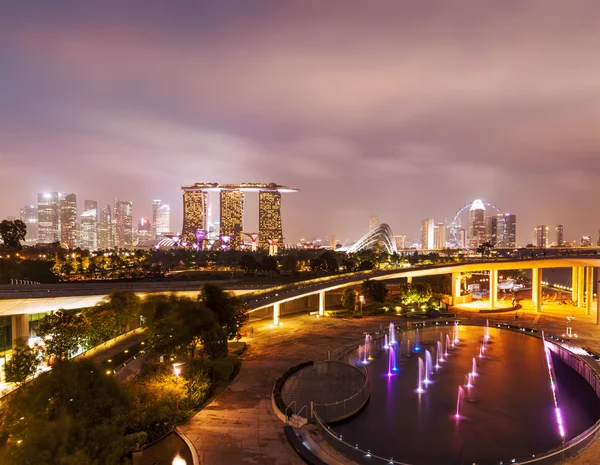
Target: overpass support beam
x=20, y=329
x=456, y=282
x=409, y=280
x=589, y=289
x=574, y=281
x=321, y=303
x=580, y=285
x=276, y=313
x=598, y=302
x=493, y=288
x=536, y=288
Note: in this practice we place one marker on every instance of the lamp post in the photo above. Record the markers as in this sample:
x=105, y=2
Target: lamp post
x=177, y=371
x=361, y=299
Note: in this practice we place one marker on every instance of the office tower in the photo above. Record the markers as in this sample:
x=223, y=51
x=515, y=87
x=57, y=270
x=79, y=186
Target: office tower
x=269, y=218
x=105, y=229
x=144, y=230
x=560, y=235
x=161, y=218
x=506, y=230
x=439, y=236
x=400, y=242
x=48, y=218
x=88, y=227
x=195, y=204
x=476, y=224
x=540, y=236
x=491, y=230
x=373, y=221
x=427, y=234
x=598, y=239
x=585, y=241
x=462, y=238
x=123, y=224
x=232, y=212
x=29, y=216
x=68, y=219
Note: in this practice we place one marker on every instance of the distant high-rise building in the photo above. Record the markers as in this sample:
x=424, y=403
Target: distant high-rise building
x=161, y=218
x=195, y=210
x=491, y=230
x=462, y=237
x=598, y=239
x=560, y=235
x=105, y=229
x=476, y=235
x=506, y=230
x=88, y=227
x=540, y=236
x=373, y=221
x=427, y=234
x=269, y=218
x=123, y=224
x=29, y=216
x=68, y=219
x=400, y=242
x=232, y=213
x=439, y=236
x=144, y=230
x=585, y=241
x=48, y=218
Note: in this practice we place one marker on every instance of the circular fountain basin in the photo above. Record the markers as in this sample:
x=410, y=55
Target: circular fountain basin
x=508, y=414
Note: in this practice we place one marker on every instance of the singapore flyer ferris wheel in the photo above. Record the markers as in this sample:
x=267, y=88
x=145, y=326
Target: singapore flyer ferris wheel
x=470, y=222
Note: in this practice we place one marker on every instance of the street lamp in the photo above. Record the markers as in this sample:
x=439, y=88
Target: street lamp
x=177, y=371
x=361, y=299
x=178, y=460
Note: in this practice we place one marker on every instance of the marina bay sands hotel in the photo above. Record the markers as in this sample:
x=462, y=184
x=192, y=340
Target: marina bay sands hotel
x=195, y=212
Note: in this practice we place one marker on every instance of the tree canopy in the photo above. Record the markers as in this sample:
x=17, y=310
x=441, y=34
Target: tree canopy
x=12, y=233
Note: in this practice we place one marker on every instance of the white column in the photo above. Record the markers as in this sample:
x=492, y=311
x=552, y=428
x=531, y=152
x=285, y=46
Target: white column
x=493, y=288
x=276, y=313
x=589, y=289
x=575, y=281
x=536, y=288
x=409, y=280
x=321, y=303
x=20, y=329
x=580, y=285
x=456, y=282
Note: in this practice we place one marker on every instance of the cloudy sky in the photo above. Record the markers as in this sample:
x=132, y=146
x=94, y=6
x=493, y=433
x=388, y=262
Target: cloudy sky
x=410, y=109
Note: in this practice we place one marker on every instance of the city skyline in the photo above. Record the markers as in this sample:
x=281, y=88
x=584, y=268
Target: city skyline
x=367, y=113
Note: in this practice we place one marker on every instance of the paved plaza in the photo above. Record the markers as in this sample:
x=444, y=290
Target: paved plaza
x=239, y=426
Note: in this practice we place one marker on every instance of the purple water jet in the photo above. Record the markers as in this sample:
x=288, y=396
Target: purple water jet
x=459, y=399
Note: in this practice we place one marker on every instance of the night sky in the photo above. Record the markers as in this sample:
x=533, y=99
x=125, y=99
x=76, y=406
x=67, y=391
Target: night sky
x=410, y=109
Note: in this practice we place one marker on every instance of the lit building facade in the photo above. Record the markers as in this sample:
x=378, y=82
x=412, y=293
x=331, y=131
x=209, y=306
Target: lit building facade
x=144, y=231
x=68, y=220
x=88, y=226
x=48, y=218
x=29, y=216
x=195, y=212
x=585, y=241
x=105, y=228
x=400, y=242
x=123, y=224
x=491, y=230
x=560, y=235
x=232, y=214
x=476, y=235
x=427, y=234
x=439, y=236
x=269, y=218
x=373, y=221
x=506, y=230
x=540, y=236
x=161, y=218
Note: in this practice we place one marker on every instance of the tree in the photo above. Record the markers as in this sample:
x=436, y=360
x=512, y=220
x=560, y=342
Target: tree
x=125, y=306
x=12, y=233
x=230, y=311
x=269, y=264
x=349, y=299
x=485, y=249
x=290, y=263
x=330, y=262
x=63, y=333
x=22, y=364
x=375, y=291
x=248, y=263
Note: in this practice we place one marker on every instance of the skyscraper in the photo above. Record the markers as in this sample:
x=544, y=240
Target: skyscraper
x=232, y=212
x=144, y=230
x=400, y=242
x=491, y=230
x=123, y=224
x=476, y=234
x=68, y=220
x=48, y=218
x=161, y=218
x=88, y=229
x=585, y=241
x=540, y=236
x=560, y=235
x=373, y=221
x=269, y=217
x=427, y=234
x=105, y=229
x=29, y=216
x=195, y=205
x=506, y=230
x=439, y=236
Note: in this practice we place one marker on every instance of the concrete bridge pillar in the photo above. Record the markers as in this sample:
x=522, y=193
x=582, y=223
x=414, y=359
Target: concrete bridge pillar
x=493, y=288
x=276, y=313
x=580, y=286
x=575, y=282
x=20, y=329
x=589, y=289
x=409, y=280
x=536, y=288
x=456, y=282
x=598, y=302
x=322, y=303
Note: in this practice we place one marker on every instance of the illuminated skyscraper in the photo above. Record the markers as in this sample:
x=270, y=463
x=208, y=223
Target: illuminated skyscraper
x=585, y=241
x=439, y=236
x=427, y=234
x=105, y=229
x=161, y=218
x=232, y=212
x=123, y=224
x=48, y=218
x=540, y=236
x=29, y=216
x=506, y=230
x=491, y=229
x=68, y=220
x=195, y=204
x=476, y=235
x=400, y=242
x=88, y=229
x=269, y=218
x=560, y=235
x=373, y=221
x=144, y=230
